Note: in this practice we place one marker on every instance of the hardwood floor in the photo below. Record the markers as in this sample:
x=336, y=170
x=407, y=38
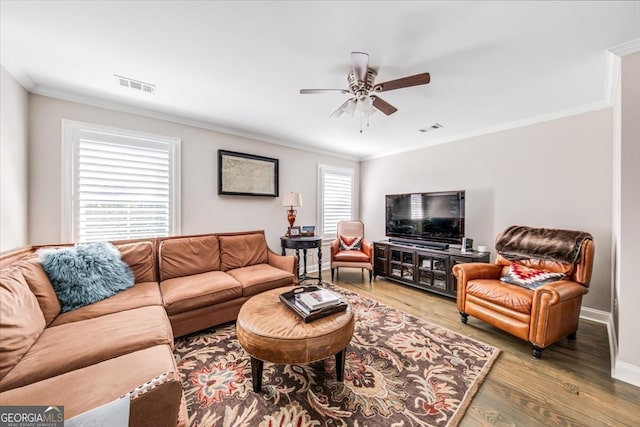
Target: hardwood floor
x=569, y=386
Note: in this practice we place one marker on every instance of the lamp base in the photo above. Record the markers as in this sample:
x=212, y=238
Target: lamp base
x=291, y=216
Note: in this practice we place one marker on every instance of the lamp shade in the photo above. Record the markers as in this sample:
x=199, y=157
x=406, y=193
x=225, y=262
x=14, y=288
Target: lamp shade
x=292, y=199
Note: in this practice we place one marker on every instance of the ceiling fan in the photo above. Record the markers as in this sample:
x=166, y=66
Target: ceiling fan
x=363, y=87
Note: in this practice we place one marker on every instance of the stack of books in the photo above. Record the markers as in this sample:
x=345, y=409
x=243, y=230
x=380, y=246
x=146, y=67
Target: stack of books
x=312, y=302
x=316, y=300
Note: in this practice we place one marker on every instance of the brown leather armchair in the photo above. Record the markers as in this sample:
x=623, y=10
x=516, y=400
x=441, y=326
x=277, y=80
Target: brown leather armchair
x=540, y=313
x=357, y=258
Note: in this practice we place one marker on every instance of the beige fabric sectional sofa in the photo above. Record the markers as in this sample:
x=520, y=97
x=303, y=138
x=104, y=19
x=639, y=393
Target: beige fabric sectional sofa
x=122, y=345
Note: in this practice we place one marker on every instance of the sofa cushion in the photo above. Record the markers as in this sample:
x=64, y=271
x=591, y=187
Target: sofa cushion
x=140, y=295
x=76, y=345
x=242, y=250
x=86, y=273
x=530, y=278
x=97, y=383
x=185, y=256
x=198, y=290
x=21, y=320
x=503, y=294
x=41, y=287
x=139, y=256
x=351, y=256
x=261, y=277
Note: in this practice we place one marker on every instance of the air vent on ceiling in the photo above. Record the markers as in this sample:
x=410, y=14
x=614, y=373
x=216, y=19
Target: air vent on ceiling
x=134, y=84
x=430, y=128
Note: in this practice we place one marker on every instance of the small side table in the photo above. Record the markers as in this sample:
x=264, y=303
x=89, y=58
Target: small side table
x=304, y=243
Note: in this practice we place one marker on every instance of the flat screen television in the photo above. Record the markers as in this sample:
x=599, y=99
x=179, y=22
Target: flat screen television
x=425, y=217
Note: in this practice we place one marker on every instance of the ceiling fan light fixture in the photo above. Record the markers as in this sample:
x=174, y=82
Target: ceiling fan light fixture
x=365, y=104
x=362, y=84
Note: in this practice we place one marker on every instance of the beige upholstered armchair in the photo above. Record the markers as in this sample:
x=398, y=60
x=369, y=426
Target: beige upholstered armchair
x=534, y=290
x=350, y=249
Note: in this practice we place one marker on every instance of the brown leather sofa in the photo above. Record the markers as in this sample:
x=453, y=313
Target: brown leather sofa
x=122, y=345
x=541, y=316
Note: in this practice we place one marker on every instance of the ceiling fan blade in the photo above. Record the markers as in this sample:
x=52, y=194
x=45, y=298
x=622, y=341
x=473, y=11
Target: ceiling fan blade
x=306, y=91
x=340, y=110
x=383, y=105
x=344, y=108
x=418, y=79
x=360, y=64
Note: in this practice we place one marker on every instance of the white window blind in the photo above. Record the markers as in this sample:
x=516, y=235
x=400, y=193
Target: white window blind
x=123, y=185
x=415, y=203
x=336, y=198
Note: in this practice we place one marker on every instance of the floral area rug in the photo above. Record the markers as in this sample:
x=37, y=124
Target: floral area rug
x=399, y=371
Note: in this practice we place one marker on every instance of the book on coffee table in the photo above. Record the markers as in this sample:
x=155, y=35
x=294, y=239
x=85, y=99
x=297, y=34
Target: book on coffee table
x=329, y=303
x=316, y=300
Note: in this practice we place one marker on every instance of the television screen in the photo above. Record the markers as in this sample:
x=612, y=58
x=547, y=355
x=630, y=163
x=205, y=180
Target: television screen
x=437, y=217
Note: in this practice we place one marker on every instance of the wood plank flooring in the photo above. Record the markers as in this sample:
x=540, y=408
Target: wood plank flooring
x=570, y=385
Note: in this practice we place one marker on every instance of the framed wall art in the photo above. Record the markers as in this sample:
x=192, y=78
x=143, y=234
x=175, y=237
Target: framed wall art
x=243, y=174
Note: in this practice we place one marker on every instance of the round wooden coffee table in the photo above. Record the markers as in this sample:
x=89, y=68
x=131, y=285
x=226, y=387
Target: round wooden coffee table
x=271, y=332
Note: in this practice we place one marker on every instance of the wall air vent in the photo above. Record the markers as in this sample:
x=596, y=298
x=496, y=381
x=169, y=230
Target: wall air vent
x=134, y=84
x=430, y=128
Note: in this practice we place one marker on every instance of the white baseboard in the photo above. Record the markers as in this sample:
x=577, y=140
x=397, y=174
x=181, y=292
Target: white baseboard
x=626, y=372
x=620, y=370
x=596, y=315
x=606, y=318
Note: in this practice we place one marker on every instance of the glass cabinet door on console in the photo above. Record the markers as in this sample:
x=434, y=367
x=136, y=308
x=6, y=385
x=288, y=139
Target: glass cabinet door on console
x=424, y=268
x=401, y=265
x=432, y=271
x=380, y=259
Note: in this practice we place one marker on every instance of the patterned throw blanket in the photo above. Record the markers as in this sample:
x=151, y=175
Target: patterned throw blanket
x=518, y=242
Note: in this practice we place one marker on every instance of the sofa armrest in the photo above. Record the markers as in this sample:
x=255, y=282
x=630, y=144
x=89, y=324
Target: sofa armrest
x=157, y=402
x=335, y=248
x=555, y=311
x=284, y=262
x=471, y=271
x=367, y=248
x=557, y=292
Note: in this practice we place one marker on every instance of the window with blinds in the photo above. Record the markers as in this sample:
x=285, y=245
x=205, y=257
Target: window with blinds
x=336, y=198
x=122, y=185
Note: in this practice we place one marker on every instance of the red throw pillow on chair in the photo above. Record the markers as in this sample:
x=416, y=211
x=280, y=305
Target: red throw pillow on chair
x=530, y=277
x=350, y=243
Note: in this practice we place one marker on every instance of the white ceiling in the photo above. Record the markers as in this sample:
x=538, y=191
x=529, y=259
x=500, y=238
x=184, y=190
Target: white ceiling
x=238, y=66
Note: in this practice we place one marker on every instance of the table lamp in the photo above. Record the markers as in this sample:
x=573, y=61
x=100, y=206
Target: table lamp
x=293, y=200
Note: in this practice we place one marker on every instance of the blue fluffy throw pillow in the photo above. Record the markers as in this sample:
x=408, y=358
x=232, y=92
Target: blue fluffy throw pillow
x=86, y=273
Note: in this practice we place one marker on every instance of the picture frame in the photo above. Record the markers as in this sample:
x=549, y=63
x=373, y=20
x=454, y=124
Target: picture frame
x=241, y=174
x=294, y=232
x=308, y=230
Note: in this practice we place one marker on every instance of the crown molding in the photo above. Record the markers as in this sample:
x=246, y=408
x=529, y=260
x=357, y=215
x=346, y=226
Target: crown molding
x=627, y=48
x=611, y=81
x=614, y=56
x=178, y=119
x=18, y=74
x=501, y=127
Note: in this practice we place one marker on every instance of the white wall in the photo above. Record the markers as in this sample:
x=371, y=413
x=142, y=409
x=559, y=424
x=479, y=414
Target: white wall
x=556, y=174
x=627, y=363
x=13, y=163
x=203, y=210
